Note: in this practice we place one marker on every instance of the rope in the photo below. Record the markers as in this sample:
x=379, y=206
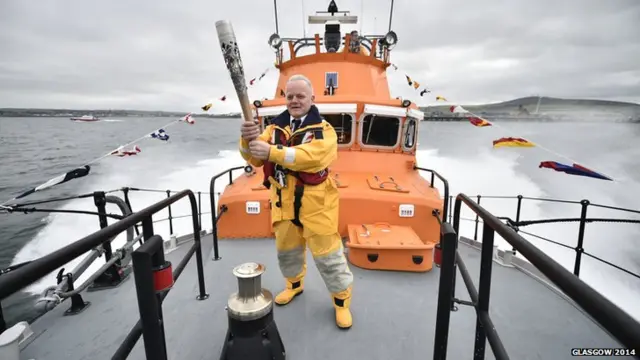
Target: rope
x=81, y=196
x=16, y=207
x=566, y=220
x=163, y=191
x=546, y=239
x=28, y=210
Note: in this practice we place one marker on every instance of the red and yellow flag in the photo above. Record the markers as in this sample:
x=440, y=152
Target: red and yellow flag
x=512, y=142
x=476, y=121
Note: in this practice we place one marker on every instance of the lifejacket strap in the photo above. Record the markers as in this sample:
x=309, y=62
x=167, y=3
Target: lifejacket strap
x=297, y=202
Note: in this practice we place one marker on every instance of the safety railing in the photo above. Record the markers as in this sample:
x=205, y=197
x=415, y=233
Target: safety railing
x=170, y=217
x=619, y=324
x=108, y=274
x=517, y=224
x=27, y=207
x=31, y=272
x=446, y=202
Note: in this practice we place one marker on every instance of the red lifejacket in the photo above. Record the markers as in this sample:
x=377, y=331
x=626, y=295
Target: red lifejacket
x=302, y=178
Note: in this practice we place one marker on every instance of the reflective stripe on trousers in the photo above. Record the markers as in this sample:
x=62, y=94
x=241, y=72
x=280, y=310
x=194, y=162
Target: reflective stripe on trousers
x=327, y=251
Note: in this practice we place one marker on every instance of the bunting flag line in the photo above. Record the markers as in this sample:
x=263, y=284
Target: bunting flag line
x=414, y=84
x=85, y=169
x=575, y=169
x=208, y=105
x=223, y=98
x=478, y=121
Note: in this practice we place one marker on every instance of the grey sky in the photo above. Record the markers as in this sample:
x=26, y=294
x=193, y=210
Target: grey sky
x=164, y=54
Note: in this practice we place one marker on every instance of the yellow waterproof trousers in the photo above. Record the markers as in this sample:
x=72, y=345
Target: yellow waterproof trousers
x=327, y=251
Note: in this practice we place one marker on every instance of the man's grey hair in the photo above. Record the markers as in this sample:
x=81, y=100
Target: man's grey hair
x=299, y=77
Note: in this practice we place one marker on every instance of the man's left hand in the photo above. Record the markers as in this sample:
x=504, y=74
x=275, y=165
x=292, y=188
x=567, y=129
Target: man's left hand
x=259, y=149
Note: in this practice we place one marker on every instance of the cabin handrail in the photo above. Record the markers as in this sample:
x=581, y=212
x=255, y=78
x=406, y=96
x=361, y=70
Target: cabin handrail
x=365, y=40
x=434, y=174
x=212, y=197
x=614, y=320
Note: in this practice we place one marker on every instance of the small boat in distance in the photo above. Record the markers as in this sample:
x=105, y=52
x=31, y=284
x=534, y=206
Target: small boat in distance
x=85, y=118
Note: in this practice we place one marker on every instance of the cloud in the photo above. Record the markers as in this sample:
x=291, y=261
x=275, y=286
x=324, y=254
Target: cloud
x=165, y=55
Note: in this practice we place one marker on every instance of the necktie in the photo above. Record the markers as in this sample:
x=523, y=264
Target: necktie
x=295, y=124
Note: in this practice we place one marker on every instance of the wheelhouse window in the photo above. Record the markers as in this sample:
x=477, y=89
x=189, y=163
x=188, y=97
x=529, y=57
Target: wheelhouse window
x=343, y=125
x=378, y=130
x=410, y=133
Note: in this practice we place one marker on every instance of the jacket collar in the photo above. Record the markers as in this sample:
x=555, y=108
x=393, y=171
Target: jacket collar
x=284, y=119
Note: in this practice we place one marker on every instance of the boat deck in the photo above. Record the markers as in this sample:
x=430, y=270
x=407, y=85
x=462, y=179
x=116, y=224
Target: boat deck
x=394, y=315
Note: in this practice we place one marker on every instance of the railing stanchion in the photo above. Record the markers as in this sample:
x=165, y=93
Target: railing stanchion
x=112, y=276
x=484, y=289
x=450, y=207
x=3, y=324
x=445, y=292
x=125, y=191
x=475, y=231
x=518, y=212
x=200, y=210
x=579, y=246
x=214, y=208
x=170, y=216
x=518, y=209
x=145, y=258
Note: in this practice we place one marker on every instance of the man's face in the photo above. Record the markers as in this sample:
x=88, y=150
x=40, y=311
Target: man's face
x=299, y=98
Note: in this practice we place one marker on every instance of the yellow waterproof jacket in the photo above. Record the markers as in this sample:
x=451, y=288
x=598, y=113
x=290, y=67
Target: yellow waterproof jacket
x=317, y=149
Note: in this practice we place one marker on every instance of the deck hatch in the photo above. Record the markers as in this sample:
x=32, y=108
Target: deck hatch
x=382, y=246
x=386, y=183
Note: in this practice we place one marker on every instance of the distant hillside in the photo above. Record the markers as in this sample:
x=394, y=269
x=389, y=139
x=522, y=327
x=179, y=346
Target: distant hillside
x=15, y=112
x=547, y=104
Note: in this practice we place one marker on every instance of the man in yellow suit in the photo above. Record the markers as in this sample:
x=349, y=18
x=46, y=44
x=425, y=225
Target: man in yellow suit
x=295, y=151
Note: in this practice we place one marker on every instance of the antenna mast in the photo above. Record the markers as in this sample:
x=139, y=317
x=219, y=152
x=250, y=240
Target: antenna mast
x=361, y=15
x=304, y=30
x=390, y=15
x=275, y=13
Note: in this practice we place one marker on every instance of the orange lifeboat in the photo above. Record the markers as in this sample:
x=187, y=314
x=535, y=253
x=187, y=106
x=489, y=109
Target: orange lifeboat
x=389, y=213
